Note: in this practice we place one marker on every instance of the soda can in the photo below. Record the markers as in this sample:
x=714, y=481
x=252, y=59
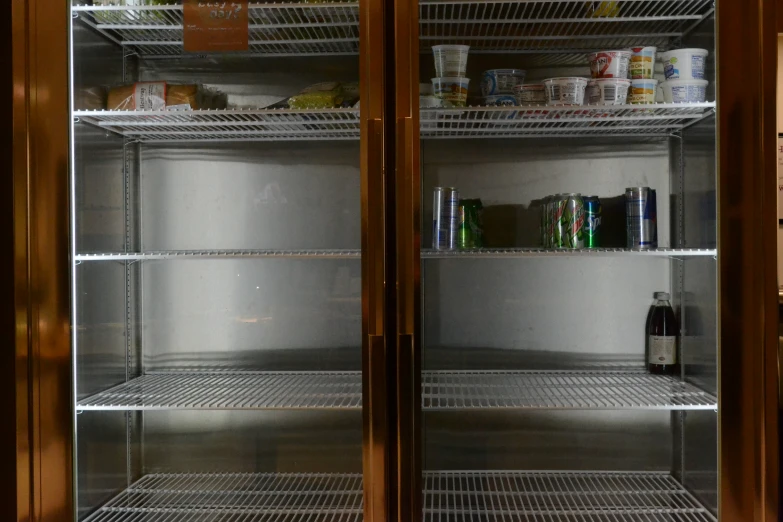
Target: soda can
x=445, y=218
x=545, y=222
x=573, y=222
x=471, y=233
x=558, y=206
x=641, y=217
x=592, y=221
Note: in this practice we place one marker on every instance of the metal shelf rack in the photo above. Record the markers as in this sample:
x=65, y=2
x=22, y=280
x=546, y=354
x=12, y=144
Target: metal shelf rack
x=561, y=29
x=445, y=390
x=447, y=496
x=657, y=120
x=484, y=253
x=275, y=29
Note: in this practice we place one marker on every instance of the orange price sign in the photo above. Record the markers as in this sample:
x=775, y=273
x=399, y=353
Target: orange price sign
x=215, y=25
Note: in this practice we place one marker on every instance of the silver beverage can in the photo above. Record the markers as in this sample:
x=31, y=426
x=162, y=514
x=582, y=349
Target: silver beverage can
x=445, y=218
x=641, y=215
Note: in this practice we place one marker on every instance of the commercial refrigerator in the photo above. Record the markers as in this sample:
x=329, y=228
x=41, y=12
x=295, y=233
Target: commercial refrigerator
x=230, y=308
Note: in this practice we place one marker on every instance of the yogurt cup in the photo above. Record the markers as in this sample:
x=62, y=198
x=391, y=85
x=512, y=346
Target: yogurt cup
x=530, y=94
x=450, y=60
x=609, y=64
x=607, y=91
x=684, y=64
x=684, y=91
x=501, y=81
x=565, y=90
x=642, y=64
x=642, y=91
x=504, y=100
x=452, y=90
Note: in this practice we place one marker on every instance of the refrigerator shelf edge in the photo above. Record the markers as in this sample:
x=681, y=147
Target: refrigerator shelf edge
x=566, y=27
x=441, y=391
x=510, y=253
x=220, y=254
x=447, y=495
x=658, y=120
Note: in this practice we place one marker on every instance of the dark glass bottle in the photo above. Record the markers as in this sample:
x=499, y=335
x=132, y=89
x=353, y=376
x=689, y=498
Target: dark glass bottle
x=663, y=334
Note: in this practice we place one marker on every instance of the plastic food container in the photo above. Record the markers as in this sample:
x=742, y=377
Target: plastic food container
x=684, y=91
x=500, y=100
x=452, y=90
x=684, y=64
x=430, y=101
x=607, y=91
x=609, y=64
x=530, y=94
x=565, y=91
x=450, y=60
x=642, y=63
x=642, y=91
x=501, y=81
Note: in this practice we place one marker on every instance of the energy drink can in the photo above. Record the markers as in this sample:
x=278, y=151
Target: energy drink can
x=445, y=218
x=641, y=217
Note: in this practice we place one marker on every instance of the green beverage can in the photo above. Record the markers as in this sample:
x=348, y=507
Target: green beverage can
x=592, y=229
x=573, y=222
x=557, y=209
x=545, y=222
x=471, y=232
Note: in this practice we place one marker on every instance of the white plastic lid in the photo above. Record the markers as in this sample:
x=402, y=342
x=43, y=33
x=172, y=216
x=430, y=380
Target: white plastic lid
x=662, y=296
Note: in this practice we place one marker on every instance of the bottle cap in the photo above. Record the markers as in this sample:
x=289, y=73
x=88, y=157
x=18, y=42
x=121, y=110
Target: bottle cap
x=663, y=296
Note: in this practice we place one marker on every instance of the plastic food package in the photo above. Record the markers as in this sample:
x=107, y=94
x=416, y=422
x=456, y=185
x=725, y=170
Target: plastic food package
x=158, y=96
x=324, y=95
x=89, y=99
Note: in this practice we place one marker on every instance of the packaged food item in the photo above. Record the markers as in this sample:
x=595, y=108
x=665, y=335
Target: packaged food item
x=642, y=91
x=565, y=91
x=504, y=100
x=501, y=81
x=600, y=9
x=530, y=94
x=350, y=94
x=684, y=64
x=450, y=60
x=324, y=95
x=607, y=91
x=452, y=90
x=89, y=98
x=684, y=91
x=609, y=64
x=642, y=62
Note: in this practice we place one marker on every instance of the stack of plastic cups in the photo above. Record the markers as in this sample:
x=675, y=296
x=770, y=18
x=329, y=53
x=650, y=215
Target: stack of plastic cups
x=450, y=83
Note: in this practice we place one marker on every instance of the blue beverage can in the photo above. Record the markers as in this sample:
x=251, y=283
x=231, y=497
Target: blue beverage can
x=445, y=218
x=641, y=217
x=592, y=221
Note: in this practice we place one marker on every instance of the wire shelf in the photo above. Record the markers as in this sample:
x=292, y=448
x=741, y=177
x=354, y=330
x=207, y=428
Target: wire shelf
x=510, y=253
x=446, y=390
x=220, y=254
x=477, y=496
x=228, y=125
x=249, y=497
x=562, y=28
x=500, y=496
x=557, y=26
x=343, y=124
x=659, y=120
x=560, y=390
x=284, y=29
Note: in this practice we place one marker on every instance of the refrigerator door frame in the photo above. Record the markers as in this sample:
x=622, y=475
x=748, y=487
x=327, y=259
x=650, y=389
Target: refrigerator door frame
x=747, y=244
x=40, y=377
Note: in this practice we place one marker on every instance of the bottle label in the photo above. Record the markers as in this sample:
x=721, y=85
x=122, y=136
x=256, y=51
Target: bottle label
x=663, y=350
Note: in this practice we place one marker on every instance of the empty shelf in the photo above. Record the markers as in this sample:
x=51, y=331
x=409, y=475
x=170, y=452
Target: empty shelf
x=249, y=497
x=654, y=120
x=475, y=496
x=219, y=254
x=500, y=496
x=232, y=390
x=505, y=253
x=448, y=390
x=560, y=390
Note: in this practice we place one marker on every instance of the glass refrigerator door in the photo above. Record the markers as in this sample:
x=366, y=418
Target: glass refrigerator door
x=547, y=391
x=218, y=202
